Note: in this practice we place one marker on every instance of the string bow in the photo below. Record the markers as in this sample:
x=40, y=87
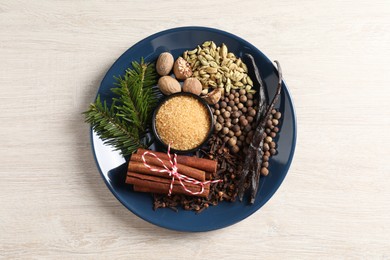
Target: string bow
x=172, y=172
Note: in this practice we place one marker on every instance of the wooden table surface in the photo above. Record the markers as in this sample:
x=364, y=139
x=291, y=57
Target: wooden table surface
x=335, y=200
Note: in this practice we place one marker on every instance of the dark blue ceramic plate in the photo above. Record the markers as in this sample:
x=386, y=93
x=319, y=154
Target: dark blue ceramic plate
x=113, y=167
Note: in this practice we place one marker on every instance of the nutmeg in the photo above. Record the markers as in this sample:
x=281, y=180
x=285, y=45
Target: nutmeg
x=182, y=69
x=168, y=85
x=164, y=63
x=193, y=86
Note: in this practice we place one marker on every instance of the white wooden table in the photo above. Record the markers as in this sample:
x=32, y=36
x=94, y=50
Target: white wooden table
x=335, y=201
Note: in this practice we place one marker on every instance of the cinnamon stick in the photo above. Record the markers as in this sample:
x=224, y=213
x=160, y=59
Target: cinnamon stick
x=195, y=162
x=147, y=183
x=181, y=168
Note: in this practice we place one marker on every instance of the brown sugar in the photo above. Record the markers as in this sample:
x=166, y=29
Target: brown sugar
x=183, y=121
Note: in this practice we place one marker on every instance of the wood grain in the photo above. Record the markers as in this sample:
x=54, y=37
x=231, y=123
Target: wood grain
x=335, y=201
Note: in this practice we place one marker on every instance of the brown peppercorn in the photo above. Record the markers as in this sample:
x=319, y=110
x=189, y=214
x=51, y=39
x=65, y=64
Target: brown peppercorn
x=272, y=134
x=249, y=96
x=235, y=149
x=243, y=99
x=225, y=130
x=268, y=131
x=252, y=112
x=242, y=92
x=268, y=139
x=267, y=153
x=229, y=109
x=231, y=103
x=236, y=128
x=231, y=96
x=250, y=119
x=241, y=138
x=223, y=104
x=236, y=100
x=226, y=114
x=265, y=164
x=240, y=105
x=265, y=147
x=272, y=144
x=247, y=128
x=273, y=111
x=269, y=123
x=265, y=158
x=235, y=121
x=249, y=103
x=275, y=122
x=226, y=138
x=231, y=133
x=235, y=108
x=275, y=129
x=232, y=141
x=273, y=151
x=218, y=127
x=264, y=171
x=244, y=122
x=228, y=124
x=217, y=112
x=233, y=91
x=278, y=115
x=220, y=119
x=236, y=95
x=236, y=114
x=238, y=133
x=244, y=109
x=222, y=110
x=216, y=106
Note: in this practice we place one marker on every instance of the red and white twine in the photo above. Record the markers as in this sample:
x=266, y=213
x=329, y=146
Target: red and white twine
x=174, y=174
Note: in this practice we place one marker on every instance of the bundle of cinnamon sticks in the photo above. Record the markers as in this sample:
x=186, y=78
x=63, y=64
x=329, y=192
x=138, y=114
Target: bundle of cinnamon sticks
x=146, y=180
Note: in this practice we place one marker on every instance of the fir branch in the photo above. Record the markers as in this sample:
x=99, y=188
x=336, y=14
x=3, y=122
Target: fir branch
x=110, y=128
x=125, y=125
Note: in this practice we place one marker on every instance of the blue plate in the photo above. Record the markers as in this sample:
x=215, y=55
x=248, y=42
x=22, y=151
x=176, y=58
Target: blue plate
x=113, y=167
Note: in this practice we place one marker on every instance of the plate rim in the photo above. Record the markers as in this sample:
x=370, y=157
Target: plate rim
x=254, y=208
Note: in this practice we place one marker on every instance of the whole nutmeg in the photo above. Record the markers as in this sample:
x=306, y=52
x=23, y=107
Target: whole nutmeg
x=182, y=69
x=164, y=63
x=193, y=86
x=168, y=85
x=213, y=97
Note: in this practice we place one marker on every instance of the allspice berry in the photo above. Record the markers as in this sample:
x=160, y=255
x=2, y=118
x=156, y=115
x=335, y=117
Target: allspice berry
x=243, y=99
x=232, y=141
x=226, y=114
x=235, y=149
x=264, y=171
x=218, y=127
x=278, y=115
x=225, y=130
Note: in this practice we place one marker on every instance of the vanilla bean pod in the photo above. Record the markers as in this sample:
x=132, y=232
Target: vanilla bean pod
x=254, y=157
x=259, y=156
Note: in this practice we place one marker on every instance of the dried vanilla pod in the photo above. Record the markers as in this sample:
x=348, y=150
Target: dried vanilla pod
x=253, y=161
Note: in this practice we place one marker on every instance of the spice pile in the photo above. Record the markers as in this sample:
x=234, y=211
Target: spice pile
x=246, y=126
x=238, y=117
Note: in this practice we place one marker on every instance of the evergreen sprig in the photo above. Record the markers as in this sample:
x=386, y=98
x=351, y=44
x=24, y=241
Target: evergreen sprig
x=126, y=123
